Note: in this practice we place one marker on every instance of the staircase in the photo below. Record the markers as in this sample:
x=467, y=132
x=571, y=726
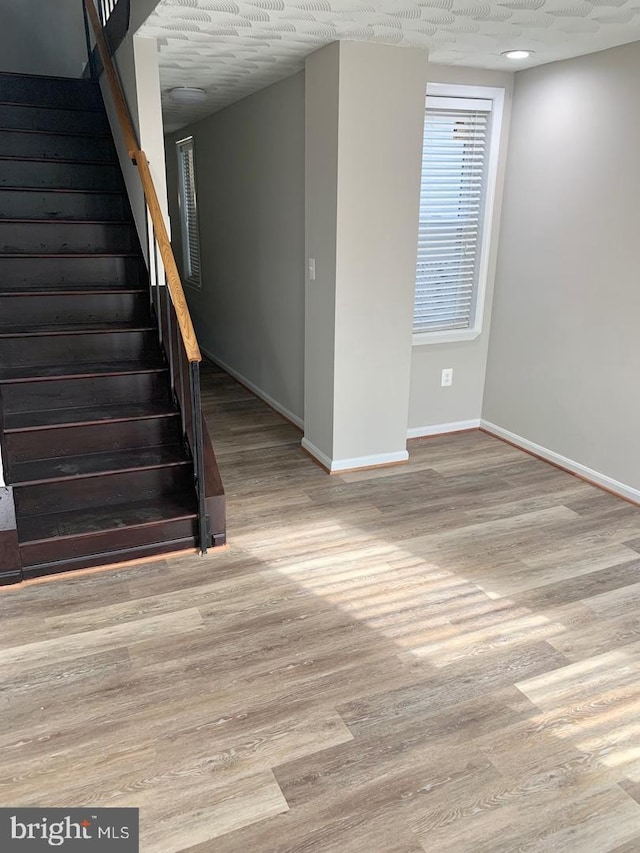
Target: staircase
x=93, y=442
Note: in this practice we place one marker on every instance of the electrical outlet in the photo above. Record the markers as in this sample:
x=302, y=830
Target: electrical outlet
x=446, y=379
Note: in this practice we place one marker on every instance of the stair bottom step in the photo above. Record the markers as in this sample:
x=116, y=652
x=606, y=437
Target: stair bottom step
x=107, y=558
x=86, y=538
x=118, y=518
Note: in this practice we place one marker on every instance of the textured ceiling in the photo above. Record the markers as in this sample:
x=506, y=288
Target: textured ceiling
x=232, y=48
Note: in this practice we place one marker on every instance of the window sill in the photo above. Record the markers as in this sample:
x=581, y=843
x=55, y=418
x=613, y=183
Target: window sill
x=449, y=336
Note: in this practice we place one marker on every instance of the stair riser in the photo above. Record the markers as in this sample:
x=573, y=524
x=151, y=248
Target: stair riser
x=15, y=143
x=107, y=271
x=41, y=204
x=96, y=391
x=67, y=238
x=54, y=121
x=50, y=92
x=91, y=438
x=89, y=347
x=86, y=552
x=83, y=176
x=102, y=491
x=52, y=308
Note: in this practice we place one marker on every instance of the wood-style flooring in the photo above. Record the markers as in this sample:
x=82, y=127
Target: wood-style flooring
x=442, y=656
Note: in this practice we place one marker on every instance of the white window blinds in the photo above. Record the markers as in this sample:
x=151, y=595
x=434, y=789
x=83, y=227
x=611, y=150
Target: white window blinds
x=106, y=8
x=454, y=175
x=189, y=212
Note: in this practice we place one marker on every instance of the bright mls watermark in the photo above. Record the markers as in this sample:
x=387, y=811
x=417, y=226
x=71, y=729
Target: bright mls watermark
x=34, y=830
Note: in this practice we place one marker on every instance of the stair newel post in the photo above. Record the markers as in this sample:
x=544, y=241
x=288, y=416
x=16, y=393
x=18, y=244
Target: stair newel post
x=10, y=561
x=198, y=453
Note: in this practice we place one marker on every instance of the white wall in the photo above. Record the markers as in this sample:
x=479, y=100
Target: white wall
x=565, y=347
x=249, y=315
x=42, y=37
x=432, y=407
x=149, y=114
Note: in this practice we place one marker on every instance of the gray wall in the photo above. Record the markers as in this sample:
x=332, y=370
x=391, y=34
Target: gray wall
x=381, y=116
x=565, y=346
x=42, y=37
x=140, y=11
x=364, y=119
x=430, y=404
x=249, y=314
x=124, y=60
x=136, y=61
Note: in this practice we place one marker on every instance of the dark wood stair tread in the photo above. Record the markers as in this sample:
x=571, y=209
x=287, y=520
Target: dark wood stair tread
x=74, y=329
x=93, y=464
x=26, y=158
x=56, y=418
x=54, y=525
x=76, y=371
x=88, y=135
x=70, y=255
x=72, y=161
x=70, y=108
x=60, y=221
x=48, y=290
x=91, y=190
x=28, y=75
x=66, y=288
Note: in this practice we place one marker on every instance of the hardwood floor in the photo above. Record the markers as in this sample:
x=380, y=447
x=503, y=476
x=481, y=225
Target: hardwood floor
x=442, y=656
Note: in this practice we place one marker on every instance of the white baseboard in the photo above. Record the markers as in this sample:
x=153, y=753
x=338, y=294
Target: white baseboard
x=322, y=458
x=608, y=483
x=268, y=399
x=440, y=429
x=337, y=465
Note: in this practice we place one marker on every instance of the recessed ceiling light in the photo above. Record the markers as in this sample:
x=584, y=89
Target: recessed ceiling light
x=187, y=95
x=517, y=54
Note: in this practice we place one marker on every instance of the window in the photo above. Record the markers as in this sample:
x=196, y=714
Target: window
x=188, y=212
x=106, y=8
x=459, y=168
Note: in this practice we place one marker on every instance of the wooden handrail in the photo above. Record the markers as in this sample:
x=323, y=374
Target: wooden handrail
x=174, y=283
x=168, y=260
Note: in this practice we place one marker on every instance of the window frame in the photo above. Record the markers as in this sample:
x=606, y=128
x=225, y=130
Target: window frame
x=497, y=97
x=190, y=280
